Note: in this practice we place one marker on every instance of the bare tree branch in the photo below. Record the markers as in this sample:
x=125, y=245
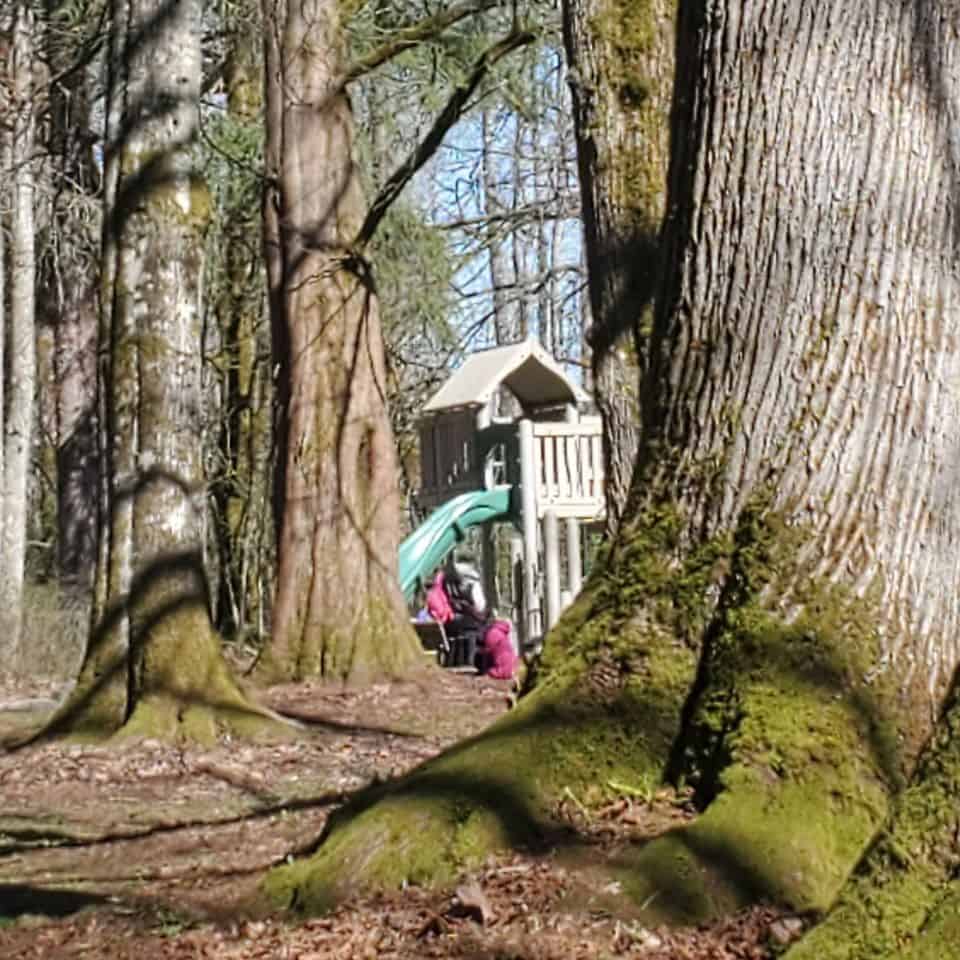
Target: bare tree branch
x=450, y=114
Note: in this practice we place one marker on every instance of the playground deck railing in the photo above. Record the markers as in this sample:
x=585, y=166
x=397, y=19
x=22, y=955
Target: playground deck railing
x=568, y=463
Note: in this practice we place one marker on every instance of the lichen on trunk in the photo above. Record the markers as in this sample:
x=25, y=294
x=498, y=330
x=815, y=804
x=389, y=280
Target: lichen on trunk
x=154, y=665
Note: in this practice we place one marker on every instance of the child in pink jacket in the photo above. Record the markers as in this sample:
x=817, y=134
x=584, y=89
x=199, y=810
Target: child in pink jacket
x=499, y=657
x=438, y=603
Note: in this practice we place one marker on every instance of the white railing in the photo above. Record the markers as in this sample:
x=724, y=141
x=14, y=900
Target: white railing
x=568, y=464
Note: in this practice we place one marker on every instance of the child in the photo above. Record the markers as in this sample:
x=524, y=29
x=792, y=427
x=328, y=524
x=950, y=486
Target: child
x=438, y=603
x=499, y=656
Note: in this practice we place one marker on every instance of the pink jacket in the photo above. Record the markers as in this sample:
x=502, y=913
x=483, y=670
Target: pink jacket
x=438, y=603
x=500, y=660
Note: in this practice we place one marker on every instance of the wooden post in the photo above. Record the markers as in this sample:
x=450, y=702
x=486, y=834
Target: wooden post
x=488, y=561
x=551, y=566
x=574, y=557
x=528, y=519
x=516, y=584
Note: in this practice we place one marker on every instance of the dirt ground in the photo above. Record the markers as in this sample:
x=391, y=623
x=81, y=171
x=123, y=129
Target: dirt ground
x=146, y=850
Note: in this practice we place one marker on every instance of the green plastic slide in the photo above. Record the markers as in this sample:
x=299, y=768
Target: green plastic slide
x=427, y=547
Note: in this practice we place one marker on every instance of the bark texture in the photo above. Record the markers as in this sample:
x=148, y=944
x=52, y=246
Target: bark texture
x=21, y=357
x=338, y=612
x=69, y=306
x=154, y=665
x=775, y=622
x=621, y=77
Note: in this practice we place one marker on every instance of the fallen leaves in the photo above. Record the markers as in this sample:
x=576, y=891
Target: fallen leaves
x=172, y=842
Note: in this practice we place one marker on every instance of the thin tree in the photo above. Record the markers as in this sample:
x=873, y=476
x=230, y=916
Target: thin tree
x=68, y=303
x=21, y=350
x=241, y=485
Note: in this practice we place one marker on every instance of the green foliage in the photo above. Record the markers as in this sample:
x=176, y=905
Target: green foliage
x=231, y=158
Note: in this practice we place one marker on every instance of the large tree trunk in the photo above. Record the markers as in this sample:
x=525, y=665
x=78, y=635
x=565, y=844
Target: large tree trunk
x=621, y=78
x=776, y=623
x=154, y=664
x=338, y=612
x=18, y=422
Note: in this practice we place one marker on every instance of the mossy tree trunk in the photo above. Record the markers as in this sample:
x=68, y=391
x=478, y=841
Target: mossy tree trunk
x=801, y=375
x=776, y=621
x=621, y=77
x=154, y=665
x=338, y=612
x=904, y=899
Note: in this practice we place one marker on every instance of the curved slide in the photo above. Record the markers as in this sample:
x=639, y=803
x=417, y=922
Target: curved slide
x=427, y=547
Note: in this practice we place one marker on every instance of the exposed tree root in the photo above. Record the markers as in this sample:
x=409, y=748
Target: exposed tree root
x=904, y=900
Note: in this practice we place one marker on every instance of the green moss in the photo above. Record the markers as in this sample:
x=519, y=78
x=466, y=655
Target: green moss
x=494, y=792
x=378, y=645
x=633, y=44
x=791, y=751
x=904, y=899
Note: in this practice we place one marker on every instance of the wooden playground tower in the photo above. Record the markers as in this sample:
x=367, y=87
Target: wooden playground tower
x=511, y=418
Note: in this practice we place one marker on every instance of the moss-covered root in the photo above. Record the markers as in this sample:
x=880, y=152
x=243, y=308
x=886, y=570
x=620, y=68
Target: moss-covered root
x=494, y=792
x=786, y=751
x=904, y=901
x=379, y=645
x=162, y=716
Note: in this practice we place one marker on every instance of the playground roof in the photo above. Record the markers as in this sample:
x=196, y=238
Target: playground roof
x=532, y=375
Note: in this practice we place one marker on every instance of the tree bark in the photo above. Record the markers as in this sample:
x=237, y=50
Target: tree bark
x=621, y=77
x=70, y=309
x=154, y=665
x=338, y=612
x=507, y=325
x=775, y=623
x=18, y=423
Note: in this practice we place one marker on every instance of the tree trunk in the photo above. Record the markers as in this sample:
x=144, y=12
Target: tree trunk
x=154, y=665
x=70, y=309
x=776, y=622
x=507, y=322
x=21, y=338
x=621, y=78
x=338, y=612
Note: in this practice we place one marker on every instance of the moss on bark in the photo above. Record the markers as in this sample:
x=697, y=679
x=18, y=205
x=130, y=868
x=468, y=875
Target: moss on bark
x=787, y=742
x=903, y=901
x=783, y=737
x=494, y=792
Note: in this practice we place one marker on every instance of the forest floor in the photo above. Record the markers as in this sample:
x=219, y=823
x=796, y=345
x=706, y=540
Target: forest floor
x=146, y=850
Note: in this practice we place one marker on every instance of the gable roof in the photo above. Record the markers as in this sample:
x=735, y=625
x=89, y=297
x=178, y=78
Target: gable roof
x=532, y=375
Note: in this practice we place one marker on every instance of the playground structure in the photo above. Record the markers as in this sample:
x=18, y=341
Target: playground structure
x=505, y=439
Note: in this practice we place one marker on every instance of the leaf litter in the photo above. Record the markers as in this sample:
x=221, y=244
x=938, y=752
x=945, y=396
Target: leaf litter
x=152, y=851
